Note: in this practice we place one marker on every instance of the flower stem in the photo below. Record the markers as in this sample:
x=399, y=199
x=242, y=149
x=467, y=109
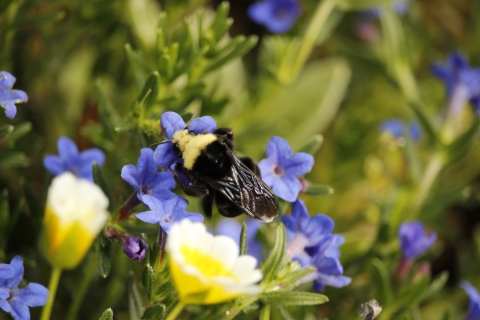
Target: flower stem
x=434, y=167
x=176, y=311
x=80, y=295
x=323, y=11
x=237, y=307
x=52, y=289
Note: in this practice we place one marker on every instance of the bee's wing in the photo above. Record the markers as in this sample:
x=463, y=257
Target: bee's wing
x=247, y=191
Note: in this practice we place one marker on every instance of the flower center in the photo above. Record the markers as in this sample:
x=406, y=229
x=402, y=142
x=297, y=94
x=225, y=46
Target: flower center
x=206, y=264
x=145, y=189
x=278, y=170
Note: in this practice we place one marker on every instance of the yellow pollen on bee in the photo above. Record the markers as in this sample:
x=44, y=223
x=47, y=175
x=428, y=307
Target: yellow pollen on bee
x=192, y=145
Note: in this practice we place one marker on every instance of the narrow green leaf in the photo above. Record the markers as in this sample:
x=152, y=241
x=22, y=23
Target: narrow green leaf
x=313, y=144
x=147, y=279
x=382, y=282
x=104, y=253
x=291, y=278
x=108, y=115
x=107, y=315
x=243, y=239
x=20, y=131
x=237, y=52
x=265, y=313
x=102, y=183
x=221, y=23
x=426, y=122
x=285, y=314
x=293, y=298
x=135, y=303
x=14, y=159
x=155, y=312
x=318, y=189
x=4, y=214
x=275, y=257
x=149, y=93
x=5, y=130
x=139, y=69
x=32, y=198
x=458, y=147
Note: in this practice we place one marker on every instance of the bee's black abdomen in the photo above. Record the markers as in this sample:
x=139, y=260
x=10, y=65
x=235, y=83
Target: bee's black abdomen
x=213, y=161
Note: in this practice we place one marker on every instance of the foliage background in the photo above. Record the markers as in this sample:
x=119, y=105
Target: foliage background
x=76, y=59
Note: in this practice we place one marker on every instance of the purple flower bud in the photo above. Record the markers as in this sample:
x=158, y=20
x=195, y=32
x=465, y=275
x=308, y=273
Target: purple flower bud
x=134, y=247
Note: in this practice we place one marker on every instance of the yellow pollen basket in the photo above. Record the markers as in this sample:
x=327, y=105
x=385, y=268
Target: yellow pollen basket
x=206, y=264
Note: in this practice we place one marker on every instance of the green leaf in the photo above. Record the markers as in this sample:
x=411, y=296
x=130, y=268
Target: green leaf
x=38, y=20
x=4, y=214
x=138, y=66
x=272, y=263
x=149, y=93
x=364, y=4
x=313, y=144
x=155, y=312
x=13, y=159
x=20, y=131
x=382, y=282
x=221, y=23
x=237, y=52
x=135, y=303
x=292, y=277
x=5, y=130
x=147, y=279
x=461, y=145
x=243, y=239
x=104, y=253
x=293, y=298
x=102, y=183
x=265, y=313
x=318, y=189
x=108, y=115
x=426, y=122
x=32, y=198
x=107, y=315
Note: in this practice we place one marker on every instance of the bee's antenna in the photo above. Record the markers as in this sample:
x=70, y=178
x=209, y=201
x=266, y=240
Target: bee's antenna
x=162, y=142
x=191, y=119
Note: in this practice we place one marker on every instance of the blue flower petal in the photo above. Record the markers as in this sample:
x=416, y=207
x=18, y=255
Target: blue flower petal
x=20, y=310
x=164, y=155
x=260, y=11
x=6, y=271
x=34, y=295
x=171, y=122
x=287, y=188
x=4, y=305
x=145, y=165
x=413, y=240
x=54, y=165
x=67, y=149
x=474, y=296
x=10, y=109
x=6, y=80
x=278, y=149
x=298, y=164
x=277, y=16
x=14, y=281
x=203, y=124
x=336, y=281
x=131, y=176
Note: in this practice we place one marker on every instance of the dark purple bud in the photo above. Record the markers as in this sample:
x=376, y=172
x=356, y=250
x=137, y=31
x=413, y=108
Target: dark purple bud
x=134, y=247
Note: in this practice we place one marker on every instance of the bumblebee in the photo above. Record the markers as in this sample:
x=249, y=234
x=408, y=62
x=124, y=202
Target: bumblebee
x=217, y=174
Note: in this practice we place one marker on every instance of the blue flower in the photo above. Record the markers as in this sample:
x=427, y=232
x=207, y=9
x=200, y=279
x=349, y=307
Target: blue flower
x=462, y=82
x=281, y=169
x=306, y=231
x=395, y=128
x=9, y=97
x=413, y=239
x=474, y=307
x=172, y=122
x=6, y=271
x=145, y=178
x=166, y=213
x=16, y=301
x=134, y=247
x=278, y=16
x=232, y=228
x=70, y=159
x=325, y=258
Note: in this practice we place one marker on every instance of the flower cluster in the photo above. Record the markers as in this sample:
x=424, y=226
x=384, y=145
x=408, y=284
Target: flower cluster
x=282, y=169
x=9, y=97
x=15, y=300
x=312, y=244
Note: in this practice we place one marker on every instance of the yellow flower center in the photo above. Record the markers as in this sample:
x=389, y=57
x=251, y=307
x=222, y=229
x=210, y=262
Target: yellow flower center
x=206, y=264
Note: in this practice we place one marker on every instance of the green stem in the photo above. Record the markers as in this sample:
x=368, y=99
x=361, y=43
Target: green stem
x=434, y=167
x=176, y=311
x=323, y=11
x=52, y=288
x=80, y=295
x=230, y=314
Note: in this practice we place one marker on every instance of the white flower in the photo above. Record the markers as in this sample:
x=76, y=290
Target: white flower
x=207, y=269
x=75, y=213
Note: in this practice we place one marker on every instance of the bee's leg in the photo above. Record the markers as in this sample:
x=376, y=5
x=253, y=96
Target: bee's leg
x=227, y=134
x=195, y=189
x=207, y=202
x=226, y=207
x=251, y=165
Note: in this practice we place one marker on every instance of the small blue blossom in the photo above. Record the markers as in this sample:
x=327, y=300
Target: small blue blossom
x=474, y=307
x=413, y=239
x=282, y=168
x=9, y=97
x=232, y=228
x=325, y=258
x=307, y=231
x=70, y=159
x=145, y=178
x=278, y=16
x=395, y=127
x=16, y=301
x=134, y=247
x=166, y=213
x=462, y=82
x=172, y=122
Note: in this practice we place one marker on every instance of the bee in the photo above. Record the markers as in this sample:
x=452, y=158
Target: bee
x=217, y=174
